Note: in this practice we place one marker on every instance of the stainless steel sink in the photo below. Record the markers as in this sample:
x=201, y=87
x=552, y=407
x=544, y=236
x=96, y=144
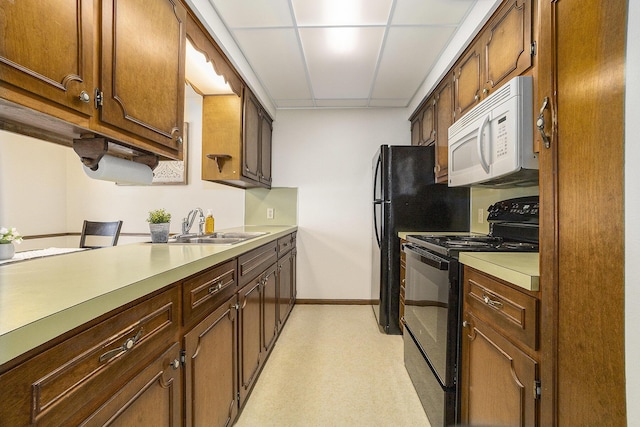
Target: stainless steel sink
x=219, y=238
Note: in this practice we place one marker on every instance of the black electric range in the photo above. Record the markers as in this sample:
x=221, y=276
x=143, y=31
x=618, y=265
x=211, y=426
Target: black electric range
x=433, y=300
x=514, y=227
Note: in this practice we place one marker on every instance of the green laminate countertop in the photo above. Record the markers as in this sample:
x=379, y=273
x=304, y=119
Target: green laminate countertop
x=43, y=298
x=521, y=269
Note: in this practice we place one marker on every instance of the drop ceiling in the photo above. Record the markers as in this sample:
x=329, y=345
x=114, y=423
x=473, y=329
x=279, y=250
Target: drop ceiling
x=341, y=53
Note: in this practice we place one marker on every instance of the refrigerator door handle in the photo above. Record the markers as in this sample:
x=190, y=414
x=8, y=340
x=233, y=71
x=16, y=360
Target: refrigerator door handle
x=375, y=221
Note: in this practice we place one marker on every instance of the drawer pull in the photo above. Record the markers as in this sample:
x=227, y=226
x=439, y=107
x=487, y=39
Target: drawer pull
x=491, y=302
x=215, y=288
x=175, y=364
x=126, y=346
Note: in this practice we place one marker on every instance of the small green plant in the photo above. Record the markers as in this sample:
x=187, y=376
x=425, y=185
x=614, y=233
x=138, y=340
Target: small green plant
x=159, y=216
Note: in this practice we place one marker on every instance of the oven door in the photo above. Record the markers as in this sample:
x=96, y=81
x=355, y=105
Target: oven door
x=432, y=309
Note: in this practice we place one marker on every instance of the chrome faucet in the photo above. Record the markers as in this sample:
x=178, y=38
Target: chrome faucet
x=187, y=222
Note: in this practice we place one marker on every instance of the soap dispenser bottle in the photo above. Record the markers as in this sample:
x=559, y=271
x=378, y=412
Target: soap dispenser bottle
x=208, y=223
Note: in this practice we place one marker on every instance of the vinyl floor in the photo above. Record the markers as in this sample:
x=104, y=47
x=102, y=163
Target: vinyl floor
x=332, y=367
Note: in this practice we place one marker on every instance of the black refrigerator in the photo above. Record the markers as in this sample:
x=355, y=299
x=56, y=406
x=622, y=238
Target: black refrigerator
x=406, y=198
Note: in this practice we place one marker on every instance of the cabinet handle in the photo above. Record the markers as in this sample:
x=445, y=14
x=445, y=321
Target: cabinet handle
x=126, y=346
x=215, y=288
x=175, y=364
x=485, y=91
x=491, y=302
x=476, y=98
x=466, y=324
x=84, y=97
x=179, y=140
x=540, y=123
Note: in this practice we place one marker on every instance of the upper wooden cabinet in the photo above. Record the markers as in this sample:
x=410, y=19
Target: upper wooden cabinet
x=430, y=125
x=502, y=50
x=443, y=97
x=236, y=141
x=142, y=69
x=54, y=62
x=106, y=70
x=423, y=124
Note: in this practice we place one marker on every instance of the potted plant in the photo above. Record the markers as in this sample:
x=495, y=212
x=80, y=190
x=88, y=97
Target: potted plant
x=8, y=236
x=159, y=221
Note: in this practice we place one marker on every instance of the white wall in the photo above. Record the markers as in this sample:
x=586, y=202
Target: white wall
x=632, y=215
x=327, y=154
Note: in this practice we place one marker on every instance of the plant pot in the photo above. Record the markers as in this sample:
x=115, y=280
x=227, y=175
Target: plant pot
x=7, y=250
x=159, y=232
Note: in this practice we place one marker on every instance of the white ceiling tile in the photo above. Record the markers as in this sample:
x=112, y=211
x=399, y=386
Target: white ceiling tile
x=341, y=12
x=254, y=13
x=341, y=74
x=275, y=56
x=430, y=12
x=402, y=70
x=342, y=103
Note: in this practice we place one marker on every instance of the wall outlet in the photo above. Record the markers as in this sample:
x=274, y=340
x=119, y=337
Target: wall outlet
x=480, y=216
x=270, y=213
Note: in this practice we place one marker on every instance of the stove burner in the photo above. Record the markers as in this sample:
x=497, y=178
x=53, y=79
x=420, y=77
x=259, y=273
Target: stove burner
x=469, y=244
x=518, y=246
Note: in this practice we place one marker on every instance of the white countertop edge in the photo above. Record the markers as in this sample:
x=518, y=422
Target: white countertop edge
x=30, y=335
x=521, y=269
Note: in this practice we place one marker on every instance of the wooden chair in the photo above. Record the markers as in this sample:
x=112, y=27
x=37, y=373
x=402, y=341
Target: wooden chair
x=107, y=229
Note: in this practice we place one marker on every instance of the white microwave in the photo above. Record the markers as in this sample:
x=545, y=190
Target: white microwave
x=492, y=144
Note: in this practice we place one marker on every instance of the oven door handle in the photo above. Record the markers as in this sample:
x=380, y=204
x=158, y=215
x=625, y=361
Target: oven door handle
x=427, y=257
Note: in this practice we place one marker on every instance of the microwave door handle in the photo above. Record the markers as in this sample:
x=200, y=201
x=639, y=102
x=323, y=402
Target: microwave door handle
x=483, y=162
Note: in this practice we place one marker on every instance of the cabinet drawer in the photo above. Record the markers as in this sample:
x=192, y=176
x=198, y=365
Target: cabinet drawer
x=285, y=244
x=204, y=292
x=256, y=262
x=64, y=384
x=513, y=313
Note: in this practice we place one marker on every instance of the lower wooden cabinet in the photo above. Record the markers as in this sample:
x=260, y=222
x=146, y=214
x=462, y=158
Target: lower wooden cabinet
x=249, y=335
x=188, y=355
x=286, y=285
x=499, y=368
x=151, y=398
x=211, y=368
x=269, y=308
x=90, y=374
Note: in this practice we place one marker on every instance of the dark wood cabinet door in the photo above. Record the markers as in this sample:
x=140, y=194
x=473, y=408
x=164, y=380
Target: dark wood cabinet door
x=468, y=80
x=507, y=44
x=211, y=368
x=249, y=336
x=444, y=119
x=582, y=48
x=151, y=398
x=46, y=49
x=285, y=286
x=265, y=149
x=428, y=134
x=142, y=72
x=270, y=309
x=498, y=379
x=251, y=137
x=415, y=131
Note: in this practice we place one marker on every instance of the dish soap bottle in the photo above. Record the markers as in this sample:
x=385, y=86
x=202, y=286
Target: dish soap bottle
x=208, y=223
